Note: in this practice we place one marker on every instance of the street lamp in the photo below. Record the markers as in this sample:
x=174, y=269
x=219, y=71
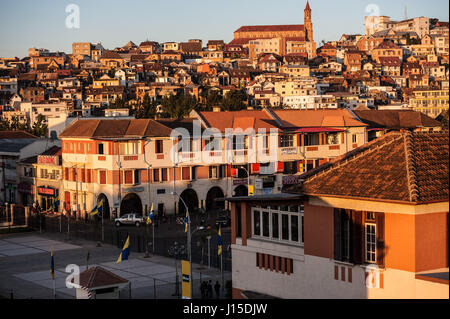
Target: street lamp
x=148, y=190
x=189, y=236
x=176, y=250
x=248, y=178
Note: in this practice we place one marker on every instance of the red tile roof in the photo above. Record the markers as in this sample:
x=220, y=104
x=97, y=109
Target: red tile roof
x=271, y=28
x=99, y=277
x=404, y=167
x=116, y=128
x=238, y=119
x=395, y=119
x=316, y=118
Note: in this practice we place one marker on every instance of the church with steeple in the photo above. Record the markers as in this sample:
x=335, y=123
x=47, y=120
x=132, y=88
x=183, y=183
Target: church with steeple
x=293, y=38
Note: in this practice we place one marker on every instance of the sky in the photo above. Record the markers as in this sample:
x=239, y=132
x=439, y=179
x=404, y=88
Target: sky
x=42, y=23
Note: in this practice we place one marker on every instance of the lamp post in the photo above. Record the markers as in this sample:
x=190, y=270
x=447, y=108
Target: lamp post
x=248, y=179
x=148, y=190
x=176, y=250
x=189, y=237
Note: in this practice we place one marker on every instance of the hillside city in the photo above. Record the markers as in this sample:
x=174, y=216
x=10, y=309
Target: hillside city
x=326, y=162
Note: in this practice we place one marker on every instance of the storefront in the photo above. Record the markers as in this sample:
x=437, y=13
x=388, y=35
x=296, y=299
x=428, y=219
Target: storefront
x=47, y=196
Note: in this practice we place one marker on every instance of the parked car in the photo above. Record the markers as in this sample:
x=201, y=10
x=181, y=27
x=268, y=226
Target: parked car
x=129, y=219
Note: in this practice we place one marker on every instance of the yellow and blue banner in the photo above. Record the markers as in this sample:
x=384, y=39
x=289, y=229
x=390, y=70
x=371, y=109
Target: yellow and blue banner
x=97, y=209
x=186, y=222
x=150, y=216
x=125, y=251
x=52, y=265
x=219, y=241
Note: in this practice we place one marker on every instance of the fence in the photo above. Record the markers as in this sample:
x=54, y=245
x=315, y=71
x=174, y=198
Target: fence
x=92, y=231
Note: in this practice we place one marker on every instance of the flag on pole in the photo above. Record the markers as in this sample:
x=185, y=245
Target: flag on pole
x=55, y=204
x=186, y=222
x=52, y=265
x=219, y=242
x=150, y=216
x=97, y=209
x=125, y=251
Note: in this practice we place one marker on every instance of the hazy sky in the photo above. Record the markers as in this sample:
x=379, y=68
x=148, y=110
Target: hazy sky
x=41, y=23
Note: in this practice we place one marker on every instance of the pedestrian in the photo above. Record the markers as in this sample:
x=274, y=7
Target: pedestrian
x=217, y=289
x=203, y=289
x=210, y=290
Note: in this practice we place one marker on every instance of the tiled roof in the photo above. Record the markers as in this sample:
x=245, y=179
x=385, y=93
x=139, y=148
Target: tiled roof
x=390, y=61
x=53, y=151
x=99, y=277
x=271, y=28
x=399, y=166
x=395, y=119
x=110, y=55
x=116, y=128
x=316, y=118
x=238, y=119
x=386, y=45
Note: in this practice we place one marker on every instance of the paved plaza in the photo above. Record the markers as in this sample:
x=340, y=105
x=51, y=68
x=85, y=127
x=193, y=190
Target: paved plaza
x=25, y=268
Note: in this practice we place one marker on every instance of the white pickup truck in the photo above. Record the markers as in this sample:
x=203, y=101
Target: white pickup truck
x=129, y=219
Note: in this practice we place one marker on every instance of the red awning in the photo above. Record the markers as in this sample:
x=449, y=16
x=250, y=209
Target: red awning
x=318, y=130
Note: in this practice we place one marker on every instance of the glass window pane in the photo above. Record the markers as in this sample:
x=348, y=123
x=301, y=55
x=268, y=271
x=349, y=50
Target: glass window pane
x=303, y=229
x=256, y=223
x=294, y=228
x=275, y=225
x=293, y=209
x=285, y=227
x=265, y=224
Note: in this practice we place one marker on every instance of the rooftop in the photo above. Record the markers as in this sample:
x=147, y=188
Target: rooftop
x=399, y=166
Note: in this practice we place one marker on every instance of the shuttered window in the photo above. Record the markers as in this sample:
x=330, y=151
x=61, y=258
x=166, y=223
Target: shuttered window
x=102, y=178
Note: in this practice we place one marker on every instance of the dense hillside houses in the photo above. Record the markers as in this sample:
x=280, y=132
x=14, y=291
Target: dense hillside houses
x=330, y=156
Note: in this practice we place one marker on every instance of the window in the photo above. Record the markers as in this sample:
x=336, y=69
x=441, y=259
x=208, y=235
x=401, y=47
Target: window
x=186, y=173
x=102, y=177
x=137, y=177
x=285, y=226
x=287, y=140
x=311, y=139
x=128, y=177
x=256, y=223
x=156, y=175
x=279, y=223
x=164, y=175
x=129, y=148
x=240, y=142
x=159, y=146
x=333, y=138
x=371, y=242
x=214, y=172
x=265, y=223
x=100, y=148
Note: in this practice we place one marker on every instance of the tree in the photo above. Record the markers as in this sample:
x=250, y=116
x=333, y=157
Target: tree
x=234, y=100
x=118, y=103
x=39, y=127
x=178, y=106
x=146, y=108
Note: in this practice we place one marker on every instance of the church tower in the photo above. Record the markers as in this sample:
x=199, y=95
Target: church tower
x=308, y=23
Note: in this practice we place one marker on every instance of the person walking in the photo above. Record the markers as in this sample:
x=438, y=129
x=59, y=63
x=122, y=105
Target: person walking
x=203, y=289
x=217, y=289
x=210, y=290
